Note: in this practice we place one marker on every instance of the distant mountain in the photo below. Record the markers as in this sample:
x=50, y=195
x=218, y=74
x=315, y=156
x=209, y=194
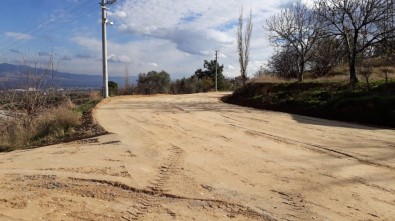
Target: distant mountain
x=11, y=75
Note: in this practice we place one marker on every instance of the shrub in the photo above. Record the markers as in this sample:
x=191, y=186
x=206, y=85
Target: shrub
x=55, y=123
x=49, y=125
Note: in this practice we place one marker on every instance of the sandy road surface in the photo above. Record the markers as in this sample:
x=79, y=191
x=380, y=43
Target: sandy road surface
x=192, y=157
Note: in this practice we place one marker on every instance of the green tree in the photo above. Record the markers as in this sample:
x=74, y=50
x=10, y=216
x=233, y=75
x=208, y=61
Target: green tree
x=153, y=82
x=113, y=88
x=209, y=74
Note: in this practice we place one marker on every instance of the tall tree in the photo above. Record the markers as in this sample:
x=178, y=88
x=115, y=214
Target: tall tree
x=296, y=27
x=359, y=24
x=209, y=73
x=243, y=44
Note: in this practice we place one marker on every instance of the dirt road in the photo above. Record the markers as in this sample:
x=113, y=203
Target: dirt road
x=192, y=157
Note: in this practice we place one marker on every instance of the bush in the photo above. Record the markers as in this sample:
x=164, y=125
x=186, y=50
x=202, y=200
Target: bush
x=153, y=82
x=113, y=88
x=55, y=123
x=50, y=125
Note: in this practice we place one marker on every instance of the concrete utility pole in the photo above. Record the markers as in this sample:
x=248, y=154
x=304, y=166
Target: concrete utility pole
x=104, y=45
x=216, y=64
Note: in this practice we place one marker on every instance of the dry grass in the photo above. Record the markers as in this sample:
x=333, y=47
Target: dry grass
x=48, y=126
x=267, y=78
x=94, y=95
x=339, y=74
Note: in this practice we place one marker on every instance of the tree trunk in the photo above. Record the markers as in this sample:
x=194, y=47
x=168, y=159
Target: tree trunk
x=301, y=70
x=353, y=60
x=353, y=75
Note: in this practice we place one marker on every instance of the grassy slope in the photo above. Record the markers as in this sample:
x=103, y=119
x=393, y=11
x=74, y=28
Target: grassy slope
x=330, y=100
x=55, y=125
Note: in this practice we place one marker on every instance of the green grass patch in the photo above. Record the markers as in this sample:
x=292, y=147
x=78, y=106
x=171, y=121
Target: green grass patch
x=331, y=100
x=87, y=106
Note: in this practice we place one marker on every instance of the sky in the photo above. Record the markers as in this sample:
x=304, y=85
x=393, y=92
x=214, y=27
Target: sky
x=146, y=35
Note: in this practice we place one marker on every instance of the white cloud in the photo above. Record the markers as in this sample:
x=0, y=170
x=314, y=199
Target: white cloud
x=88, y=42
x=231, y=67
x=153, y=64
x=177, y=37
x=194, y=28
x=118, y=14
x=119, y=58
x=18, y=36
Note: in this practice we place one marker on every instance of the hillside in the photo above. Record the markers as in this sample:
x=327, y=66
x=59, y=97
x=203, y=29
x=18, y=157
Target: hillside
x=11, y=75
x=329, y=100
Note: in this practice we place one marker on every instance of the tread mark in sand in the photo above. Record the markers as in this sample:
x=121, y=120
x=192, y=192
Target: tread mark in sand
x=170, y=168
x=145, y=201
x=149, y=199
x=295, y=201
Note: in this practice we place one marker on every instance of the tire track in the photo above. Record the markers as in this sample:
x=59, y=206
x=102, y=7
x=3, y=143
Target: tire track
x=314, y=147
x=169, y=169
x=295, y=202
x=148, y=199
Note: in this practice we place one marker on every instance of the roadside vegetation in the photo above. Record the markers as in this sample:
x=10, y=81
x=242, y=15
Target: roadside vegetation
x=332, y=59
x=202, y=81
x=330, y=97
x=35, y=112
x=64, y=116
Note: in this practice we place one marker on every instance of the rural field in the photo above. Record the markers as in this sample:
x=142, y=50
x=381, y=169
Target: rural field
x=192, y=157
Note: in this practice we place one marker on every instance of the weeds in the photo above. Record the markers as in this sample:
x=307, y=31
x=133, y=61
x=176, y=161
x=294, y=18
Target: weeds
x=55, y=123
x=51, y=125
x=338, y=75
x=331, y=100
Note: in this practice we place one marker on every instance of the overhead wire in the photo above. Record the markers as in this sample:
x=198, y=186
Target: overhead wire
x=42, y=28
x=53, y=29
x=44, y=25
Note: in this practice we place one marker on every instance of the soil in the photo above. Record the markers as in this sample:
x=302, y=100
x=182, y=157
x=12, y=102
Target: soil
x=192, y=157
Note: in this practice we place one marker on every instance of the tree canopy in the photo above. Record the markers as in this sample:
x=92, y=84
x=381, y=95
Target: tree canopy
x=209, y=73
x=153, y=82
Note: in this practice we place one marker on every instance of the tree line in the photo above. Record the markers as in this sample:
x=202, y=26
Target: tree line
x=155, y=82
x=330, y=32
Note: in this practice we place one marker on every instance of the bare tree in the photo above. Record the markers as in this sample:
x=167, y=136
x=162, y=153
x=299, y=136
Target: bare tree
x=284, y=62
x=359, y=24
x=33, y=90
x=243, y=44
x=327, y=54
x=297, y=27
x=128, y=86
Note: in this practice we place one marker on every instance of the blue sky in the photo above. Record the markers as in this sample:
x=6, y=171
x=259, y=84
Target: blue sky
x=175, y=36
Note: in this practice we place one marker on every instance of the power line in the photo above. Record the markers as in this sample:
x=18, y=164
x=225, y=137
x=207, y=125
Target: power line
x=52, y=29
x=43, y=27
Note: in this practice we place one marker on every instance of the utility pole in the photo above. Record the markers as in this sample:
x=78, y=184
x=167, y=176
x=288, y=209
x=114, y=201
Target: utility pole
x=216, y=64
x=104, y=44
